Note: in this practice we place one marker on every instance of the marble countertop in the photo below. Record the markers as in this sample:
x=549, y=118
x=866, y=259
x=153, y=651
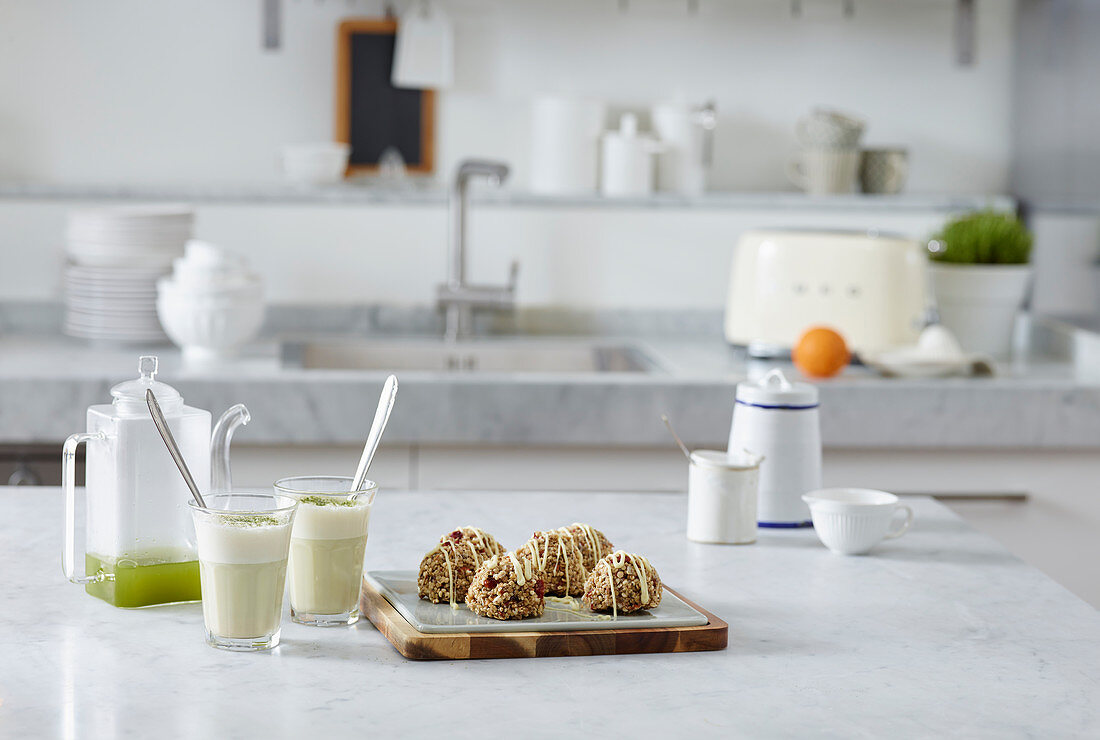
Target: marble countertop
x=47, y=382
x=941, y=632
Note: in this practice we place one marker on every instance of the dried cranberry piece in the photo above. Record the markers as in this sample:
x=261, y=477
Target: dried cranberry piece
x=456, y=535
x=540, y=588
x=489, y=582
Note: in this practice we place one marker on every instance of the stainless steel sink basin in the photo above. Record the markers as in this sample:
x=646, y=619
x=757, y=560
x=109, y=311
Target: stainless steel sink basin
x=498, y=355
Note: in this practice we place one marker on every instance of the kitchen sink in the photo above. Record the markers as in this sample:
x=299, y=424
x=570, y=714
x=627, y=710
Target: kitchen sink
x=489, y=355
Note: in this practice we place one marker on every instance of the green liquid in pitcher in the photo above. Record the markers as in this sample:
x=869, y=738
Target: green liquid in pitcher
x=143, y=582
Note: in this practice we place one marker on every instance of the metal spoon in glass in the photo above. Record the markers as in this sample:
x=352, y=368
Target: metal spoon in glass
x=381, y=417
x=170, y=443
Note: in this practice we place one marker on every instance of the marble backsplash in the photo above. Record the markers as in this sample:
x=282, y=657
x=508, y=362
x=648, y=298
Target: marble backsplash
x=44, y=317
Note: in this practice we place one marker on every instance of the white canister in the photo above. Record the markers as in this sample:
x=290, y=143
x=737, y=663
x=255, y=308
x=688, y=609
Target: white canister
x=565, y=143
x=626, y=160
x=779, y=420
x=722, y=496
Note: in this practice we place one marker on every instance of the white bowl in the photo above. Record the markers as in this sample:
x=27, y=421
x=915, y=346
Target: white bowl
x=850, y=521
x=210, y=326
x=316, y=164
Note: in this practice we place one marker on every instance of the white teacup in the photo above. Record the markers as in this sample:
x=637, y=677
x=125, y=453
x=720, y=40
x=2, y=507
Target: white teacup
x=850, y=521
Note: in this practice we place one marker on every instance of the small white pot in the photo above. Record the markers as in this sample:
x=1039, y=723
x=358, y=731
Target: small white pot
x=979, y=303
x=722, y=490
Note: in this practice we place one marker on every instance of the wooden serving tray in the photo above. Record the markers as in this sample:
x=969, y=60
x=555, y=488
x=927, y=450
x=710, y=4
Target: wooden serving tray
x=462, y=645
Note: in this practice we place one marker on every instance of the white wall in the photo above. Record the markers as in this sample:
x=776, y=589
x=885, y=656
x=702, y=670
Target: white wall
x=595, y=258
x=167, y=92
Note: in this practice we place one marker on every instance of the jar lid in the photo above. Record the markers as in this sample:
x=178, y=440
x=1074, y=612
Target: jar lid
x=775, y=391
x=736, y=460
x=129, y=395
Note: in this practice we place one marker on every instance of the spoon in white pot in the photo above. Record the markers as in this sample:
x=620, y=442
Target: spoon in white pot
x=675, y=436
x=381, y=417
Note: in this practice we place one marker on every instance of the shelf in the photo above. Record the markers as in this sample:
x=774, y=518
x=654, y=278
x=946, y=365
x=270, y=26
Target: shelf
x=417, y=194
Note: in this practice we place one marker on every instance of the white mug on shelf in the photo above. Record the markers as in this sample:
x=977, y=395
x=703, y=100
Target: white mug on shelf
x=722, y=490
x=825, y=171
x=850, y=521
x=829, y=129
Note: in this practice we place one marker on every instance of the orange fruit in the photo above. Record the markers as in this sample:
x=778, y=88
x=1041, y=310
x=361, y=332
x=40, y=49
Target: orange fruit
x=820, y=352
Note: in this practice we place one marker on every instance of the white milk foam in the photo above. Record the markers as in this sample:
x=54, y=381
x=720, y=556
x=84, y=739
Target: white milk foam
x=331, y=522
x=232, y=543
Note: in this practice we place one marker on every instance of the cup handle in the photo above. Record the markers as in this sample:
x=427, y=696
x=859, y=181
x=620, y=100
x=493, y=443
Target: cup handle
x=68, y=484
x=895, y=533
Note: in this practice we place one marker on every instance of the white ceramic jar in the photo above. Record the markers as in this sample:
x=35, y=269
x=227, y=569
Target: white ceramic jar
x=722, y=497
x=779, y=420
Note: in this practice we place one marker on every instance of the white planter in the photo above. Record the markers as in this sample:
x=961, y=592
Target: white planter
x=979, y=303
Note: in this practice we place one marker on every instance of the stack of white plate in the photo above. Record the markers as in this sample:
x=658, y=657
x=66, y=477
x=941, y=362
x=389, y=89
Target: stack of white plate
x=115, y=257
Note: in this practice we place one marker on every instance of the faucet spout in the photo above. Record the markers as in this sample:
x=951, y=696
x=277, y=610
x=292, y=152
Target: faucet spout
x=494, y=172
x=456, y=296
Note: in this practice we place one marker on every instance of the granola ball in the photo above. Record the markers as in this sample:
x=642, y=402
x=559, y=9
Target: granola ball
x=622, y=582
x=446, y=571
x=558, y=555
x=592, y=542
x=507, y=587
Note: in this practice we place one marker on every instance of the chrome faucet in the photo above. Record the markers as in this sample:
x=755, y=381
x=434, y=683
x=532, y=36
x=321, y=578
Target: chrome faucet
x=456, y=297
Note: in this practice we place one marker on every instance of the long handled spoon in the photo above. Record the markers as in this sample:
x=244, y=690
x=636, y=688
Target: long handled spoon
x=170, y=443
x=675, y=436
x=381, y=417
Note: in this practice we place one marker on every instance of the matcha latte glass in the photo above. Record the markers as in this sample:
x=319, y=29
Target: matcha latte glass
x=243, y=538
x=326, y=547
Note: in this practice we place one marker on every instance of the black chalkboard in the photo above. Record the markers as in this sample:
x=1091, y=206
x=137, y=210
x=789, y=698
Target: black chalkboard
x=371, y=114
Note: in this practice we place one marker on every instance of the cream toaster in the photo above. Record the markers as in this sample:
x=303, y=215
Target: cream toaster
x=872, y=289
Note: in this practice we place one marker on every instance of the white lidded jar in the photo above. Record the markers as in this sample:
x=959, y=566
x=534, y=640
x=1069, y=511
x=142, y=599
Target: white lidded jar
x=140, y=543
x=779, y=420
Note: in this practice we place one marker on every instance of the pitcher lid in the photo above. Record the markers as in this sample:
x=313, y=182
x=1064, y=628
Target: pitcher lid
x=775, y=390
x=129, y=395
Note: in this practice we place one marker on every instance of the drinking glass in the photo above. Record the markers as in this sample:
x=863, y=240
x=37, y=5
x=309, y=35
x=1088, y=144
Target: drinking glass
x=243, y=541
x=326, y=547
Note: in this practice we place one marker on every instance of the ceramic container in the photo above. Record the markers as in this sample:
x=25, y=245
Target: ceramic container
x=850, y=521
x=315, y=164
x=210, y=324
x=883, y=171
x=565, y=142
x=822, y=171
x=980, y=304
x=779, y=420
x=825, y=128
x=686, y=133
x=722, y=491
x=627, y=161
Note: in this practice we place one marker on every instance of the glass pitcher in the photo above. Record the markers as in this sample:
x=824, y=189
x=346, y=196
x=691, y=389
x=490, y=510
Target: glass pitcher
x=140, y=543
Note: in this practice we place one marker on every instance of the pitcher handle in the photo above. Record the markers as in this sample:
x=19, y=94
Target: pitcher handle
x=68, y=483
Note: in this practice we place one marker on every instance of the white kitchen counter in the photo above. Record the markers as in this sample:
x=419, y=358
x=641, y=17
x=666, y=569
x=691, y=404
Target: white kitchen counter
x=938, y=633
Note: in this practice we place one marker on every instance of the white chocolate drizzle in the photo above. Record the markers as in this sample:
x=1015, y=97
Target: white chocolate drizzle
x=592, y=539
x=524, y=573
x=483, y=541
x=618, y=559
x=563, y=554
